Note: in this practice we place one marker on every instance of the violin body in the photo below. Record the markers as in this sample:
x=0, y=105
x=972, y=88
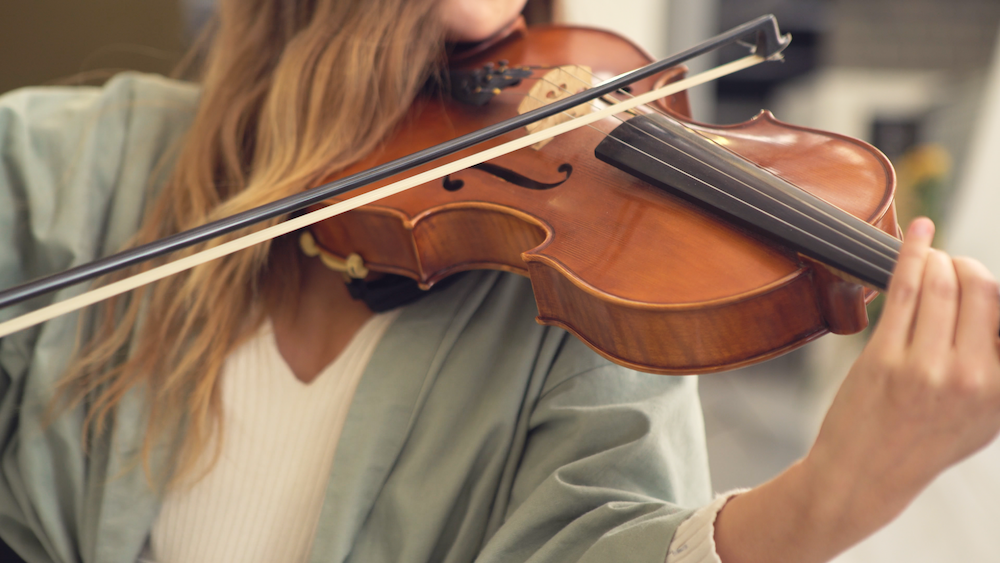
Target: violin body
x=647, y=279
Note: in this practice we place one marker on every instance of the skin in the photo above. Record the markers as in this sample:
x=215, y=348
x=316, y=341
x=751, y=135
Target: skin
x=924, y=394
x=312, y=333
x=475, y=20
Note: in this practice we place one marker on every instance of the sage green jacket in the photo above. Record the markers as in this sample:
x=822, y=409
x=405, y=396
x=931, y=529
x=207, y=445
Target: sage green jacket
x=475, y=433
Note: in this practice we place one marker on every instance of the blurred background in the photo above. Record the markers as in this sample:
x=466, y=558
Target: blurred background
x=919, y=79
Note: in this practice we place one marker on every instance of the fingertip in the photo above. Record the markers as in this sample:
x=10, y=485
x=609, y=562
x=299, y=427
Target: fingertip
x=974, y=265
x=921, y=228
x=977, y=278
x=980, y=305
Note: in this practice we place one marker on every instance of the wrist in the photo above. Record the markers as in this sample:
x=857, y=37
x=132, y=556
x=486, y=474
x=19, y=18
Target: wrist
x=798, y=516
x=854, y=496
x=826, y=505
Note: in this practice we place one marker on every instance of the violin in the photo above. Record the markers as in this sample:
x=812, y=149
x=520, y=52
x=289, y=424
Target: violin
x=648, y=279
x=667, y=245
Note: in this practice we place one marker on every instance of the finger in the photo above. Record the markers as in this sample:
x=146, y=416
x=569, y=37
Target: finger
x=904, y=287
x=979, y=310
x=937, y=311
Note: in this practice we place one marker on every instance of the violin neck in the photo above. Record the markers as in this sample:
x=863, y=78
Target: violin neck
x=666, y=154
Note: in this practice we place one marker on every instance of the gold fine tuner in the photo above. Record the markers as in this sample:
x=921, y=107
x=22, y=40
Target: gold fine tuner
x=352, y=267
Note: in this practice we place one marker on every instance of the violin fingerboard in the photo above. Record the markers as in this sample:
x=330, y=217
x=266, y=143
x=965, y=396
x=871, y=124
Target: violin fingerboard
x=670, y=156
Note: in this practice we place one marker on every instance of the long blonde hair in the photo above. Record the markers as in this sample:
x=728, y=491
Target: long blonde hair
x=293, y=90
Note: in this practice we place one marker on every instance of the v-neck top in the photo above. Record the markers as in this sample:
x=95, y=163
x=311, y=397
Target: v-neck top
x=261, y=500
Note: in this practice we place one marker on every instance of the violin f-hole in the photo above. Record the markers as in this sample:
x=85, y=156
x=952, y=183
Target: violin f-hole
x=508, y=175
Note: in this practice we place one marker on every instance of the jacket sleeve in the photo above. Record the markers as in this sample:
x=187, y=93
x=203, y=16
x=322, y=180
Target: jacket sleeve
x=614, y=461
x=75, y=165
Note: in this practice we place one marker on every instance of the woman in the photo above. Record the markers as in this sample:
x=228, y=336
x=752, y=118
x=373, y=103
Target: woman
x=462, y=430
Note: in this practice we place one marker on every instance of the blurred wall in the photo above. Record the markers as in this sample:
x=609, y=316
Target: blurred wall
x=975, y=230
x=44, y=41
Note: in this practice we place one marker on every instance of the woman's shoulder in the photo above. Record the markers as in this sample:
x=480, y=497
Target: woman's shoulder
x=65, y=127
x=95, y=132
x=126, y=92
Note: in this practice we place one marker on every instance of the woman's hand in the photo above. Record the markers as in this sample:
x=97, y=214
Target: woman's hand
x=924, y=394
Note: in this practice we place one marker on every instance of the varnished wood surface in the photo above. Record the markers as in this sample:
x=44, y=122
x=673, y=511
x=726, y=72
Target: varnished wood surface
x=648, y=280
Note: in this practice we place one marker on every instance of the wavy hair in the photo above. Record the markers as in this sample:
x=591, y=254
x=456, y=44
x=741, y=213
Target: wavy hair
x=292, y=91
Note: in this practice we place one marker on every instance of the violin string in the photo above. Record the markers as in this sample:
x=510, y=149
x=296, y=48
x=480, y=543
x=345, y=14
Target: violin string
x=892, y=252
x=569, y=115
x=808, y=234
x=794, y=227
x=862, y=237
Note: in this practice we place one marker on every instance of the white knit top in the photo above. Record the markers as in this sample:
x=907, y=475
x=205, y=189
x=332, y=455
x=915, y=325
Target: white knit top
x=261, y=501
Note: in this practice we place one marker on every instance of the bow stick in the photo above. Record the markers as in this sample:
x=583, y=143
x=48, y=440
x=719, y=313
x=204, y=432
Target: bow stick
x=768, y=46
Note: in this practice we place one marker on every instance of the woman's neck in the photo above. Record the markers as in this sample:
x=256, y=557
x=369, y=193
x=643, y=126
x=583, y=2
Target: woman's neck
x=312, y=330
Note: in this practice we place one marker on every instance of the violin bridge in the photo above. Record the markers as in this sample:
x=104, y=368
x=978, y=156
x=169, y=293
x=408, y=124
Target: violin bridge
x=560, y=82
